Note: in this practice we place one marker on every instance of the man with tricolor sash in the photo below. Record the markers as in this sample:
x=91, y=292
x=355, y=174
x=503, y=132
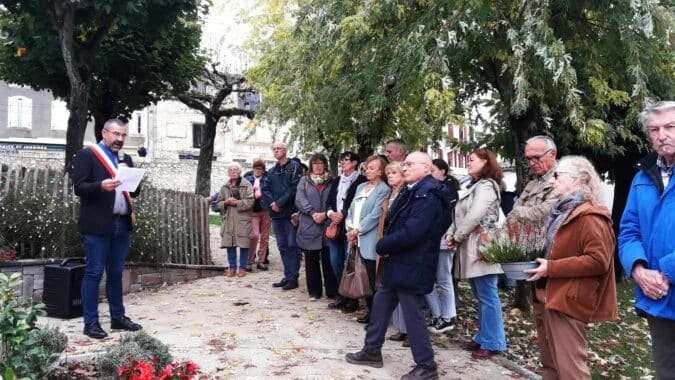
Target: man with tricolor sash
x=105, y=224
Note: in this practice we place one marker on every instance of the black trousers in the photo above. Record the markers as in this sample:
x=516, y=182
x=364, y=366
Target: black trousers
x=370, y=269
x=412, y=305
x=663, y=346
x=316, y=263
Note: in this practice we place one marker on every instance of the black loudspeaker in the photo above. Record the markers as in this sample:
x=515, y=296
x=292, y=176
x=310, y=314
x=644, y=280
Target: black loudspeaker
x=61, y=291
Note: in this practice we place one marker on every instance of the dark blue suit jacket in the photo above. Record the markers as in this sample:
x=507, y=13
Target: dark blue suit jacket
x=96, y=205
x=412, y=235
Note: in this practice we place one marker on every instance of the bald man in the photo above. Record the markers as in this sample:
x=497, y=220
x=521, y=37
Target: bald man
x=409, y=253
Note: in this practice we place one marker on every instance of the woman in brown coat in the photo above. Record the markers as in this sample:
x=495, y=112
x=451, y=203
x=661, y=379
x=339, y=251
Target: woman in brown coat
x=235, y=203
x=574, y=283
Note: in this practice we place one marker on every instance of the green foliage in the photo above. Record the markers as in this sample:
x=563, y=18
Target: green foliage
x=25, y=352
x=128, y=54
x=345, y=78
x=137, y=346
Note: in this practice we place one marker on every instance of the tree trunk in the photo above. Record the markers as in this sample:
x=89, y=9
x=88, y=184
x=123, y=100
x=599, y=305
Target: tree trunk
x=523, y=127
x=77, y=122
x=623, y=176
x=99, y=121
x=79, y=82
x=203, y=183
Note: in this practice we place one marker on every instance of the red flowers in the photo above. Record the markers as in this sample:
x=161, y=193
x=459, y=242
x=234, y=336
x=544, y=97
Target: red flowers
x=141, y=370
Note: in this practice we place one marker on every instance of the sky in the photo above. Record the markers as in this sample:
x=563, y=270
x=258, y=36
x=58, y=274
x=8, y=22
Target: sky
x=225, y=31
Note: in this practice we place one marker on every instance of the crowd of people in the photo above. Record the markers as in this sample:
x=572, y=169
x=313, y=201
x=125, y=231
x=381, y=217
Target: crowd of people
x=417, y=230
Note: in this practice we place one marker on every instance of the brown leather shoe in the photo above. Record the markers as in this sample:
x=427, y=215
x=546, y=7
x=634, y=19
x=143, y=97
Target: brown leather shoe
x=398, y=337
x=229, y=273
x=241, y=273
x=483, y=354
x=471, y=346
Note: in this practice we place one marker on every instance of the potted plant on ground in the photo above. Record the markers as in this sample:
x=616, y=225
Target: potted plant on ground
x=514, y=247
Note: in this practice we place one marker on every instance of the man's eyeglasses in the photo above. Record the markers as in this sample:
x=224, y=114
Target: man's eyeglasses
x=405, y=165
x=538, y=157
x=117, y=134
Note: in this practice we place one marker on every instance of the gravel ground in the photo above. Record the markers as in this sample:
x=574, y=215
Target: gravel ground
x=242, y=328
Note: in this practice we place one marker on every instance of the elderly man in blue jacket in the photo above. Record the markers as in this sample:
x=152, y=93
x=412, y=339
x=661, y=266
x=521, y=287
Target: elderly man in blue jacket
x=646, y=244
x=409, y=251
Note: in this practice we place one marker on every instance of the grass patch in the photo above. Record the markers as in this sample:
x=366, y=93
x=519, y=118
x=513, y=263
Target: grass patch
x=619, y=349
x=214, y=219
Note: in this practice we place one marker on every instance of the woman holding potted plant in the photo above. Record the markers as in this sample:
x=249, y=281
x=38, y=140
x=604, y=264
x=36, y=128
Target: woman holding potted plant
x=574, y=283
x=477, y=210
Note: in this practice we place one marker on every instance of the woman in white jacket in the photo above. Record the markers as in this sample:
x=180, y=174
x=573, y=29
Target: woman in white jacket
x=476, y=211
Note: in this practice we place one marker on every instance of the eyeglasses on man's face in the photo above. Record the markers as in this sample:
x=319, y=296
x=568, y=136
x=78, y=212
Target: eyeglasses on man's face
x=116, y=134
x=538, y=157
x=408, y=165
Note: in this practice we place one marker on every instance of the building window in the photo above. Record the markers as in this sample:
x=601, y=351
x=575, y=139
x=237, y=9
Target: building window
x=197, y=134
x=19, y=112
x=60, y=114
x=138, y=123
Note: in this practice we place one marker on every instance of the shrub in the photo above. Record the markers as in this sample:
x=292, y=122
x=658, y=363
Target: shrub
x=25, y=351
x=43, y=222
x=137, y=346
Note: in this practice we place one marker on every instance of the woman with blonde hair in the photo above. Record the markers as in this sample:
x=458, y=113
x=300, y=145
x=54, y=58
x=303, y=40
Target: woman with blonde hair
x=574, y=283
x=363, y=219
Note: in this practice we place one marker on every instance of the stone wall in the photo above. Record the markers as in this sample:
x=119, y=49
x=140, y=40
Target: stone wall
x=135, y=277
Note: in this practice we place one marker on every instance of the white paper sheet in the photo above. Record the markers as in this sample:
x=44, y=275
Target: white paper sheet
x=130, y=177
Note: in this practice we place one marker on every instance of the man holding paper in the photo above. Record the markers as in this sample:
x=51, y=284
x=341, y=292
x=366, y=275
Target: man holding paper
x=105, y=223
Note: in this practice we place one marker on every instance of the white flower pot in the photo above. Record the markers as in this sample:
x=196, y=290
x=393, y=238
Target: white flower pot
x=514, y=271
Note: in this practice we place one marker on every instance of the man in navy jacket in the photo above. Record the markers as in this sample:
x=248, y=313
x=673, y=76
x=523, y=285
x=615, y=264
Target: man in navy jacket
x=105, y=226
x=409, y=251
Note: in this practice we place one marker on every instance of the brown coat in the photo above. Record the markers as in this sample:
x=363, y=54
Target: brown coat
x=581, y=266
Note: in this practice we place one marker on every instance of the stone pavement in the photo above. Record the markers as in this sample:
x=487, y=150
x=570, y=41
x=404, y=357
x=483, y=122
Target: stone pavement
x=242, y=328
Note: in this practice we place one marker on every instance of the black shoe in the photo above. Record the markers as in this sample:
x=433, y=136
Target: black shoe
x=365, y=358
x=338, y=303
x=421, y=373
x=124, y=324
x=267, y=261
x=365, y=319
x=280, y=284
x=290, y=284
x=261, y=267
x=350, y=306
x=249, y=268
x=94, y=330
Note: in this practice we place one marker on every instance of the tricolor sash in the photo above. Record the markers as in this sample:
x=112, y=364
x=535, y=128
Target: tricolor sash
x=111, y=167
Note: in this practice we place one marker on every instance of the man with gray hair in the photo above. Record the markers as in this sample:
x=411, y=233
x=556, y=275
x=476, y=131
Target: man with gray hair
x=646, y=246
x=395, y=150
x=536, y=200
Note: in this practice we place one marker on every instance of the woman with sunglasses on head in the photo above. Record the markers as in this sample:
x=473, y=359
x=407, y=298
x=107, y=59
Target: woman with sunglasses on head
x=574, y=283
x=477, y=210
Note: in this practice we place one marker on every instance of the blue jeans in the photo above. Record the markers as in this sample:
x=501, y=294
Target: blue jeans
x=490, y=323
x=444, y=306
x=338, y=254
x=232, y=257
x=105, y=252
x=289, y=251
